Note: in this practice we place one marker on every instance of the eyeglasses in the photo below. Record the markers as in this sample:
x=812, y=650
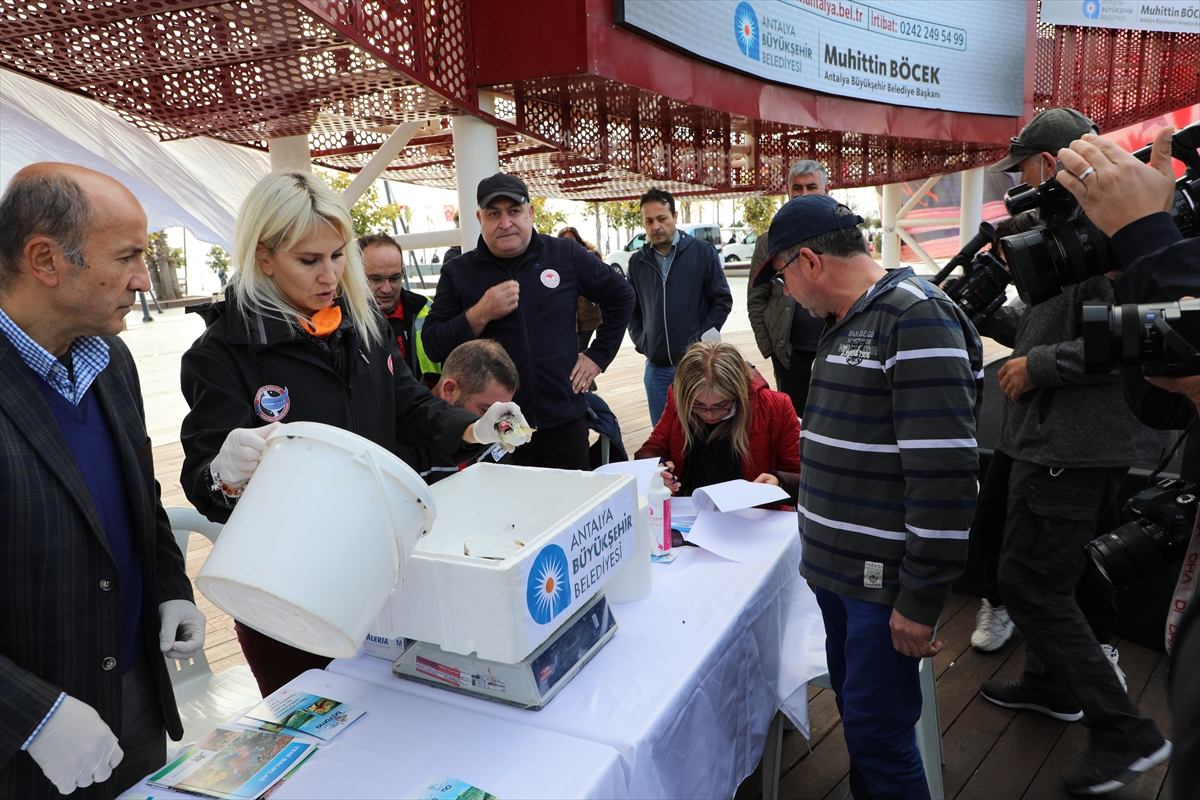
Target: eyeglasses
x=719, y=408
x=375, y=281
x=778, y=279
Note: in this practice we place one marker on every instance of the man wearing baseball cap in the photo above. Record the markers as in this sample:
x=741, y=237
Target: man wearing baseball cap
x=888, y=481
x=519, y=287
x=1034, y=153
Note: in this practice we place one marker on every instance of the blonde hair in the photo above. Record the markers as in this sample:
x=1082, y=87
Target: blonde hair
x=282, y=209
x=714, y=367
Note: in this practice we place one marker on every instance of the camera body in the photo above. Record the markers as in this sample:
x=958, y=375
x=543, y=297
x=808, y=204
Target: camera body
x=1162, y=337
x=981, y=289
x=1071, y=248
x=1163, y=517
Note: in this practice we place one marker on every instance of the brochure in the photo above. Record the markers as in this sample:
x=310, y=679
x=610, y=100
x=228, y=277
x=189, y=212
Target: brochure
x=444, y=787
x=307, y=713
x=231, y=763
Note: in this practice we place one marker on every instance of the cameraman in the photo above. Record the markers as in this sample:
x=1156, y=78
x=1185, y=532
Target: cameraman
x=1127, y=200
x=1063, y=481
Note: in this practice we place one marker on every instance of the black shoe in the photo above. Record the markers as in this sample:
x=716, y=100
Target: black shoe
x=1017, y=694
x=1099, y=774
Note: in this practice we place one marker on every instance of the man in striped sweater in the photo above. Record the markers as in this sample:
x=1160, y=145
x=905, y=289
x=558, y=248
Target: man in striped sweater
x=888, y=480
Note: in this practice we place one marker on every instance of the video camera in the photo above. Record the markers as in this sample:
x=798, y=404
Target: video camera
x=1163, y=337
x=980, y=290
x=1158, y=535
x=1071, y=248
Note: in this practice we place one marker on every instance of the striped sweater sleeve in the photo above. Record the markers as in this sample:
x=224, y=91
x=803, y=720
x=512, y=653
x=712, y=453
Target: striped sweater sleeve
x=934, y=364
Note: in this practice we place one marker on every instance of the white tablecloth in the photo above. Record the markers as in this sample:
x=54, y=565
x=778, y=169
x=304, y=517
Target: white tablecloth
x=686, y=688
x=803, y=654
x=403, y=740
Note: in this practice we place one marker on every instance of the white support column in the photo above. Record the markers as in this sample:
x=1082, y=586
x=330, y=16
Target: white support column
x=476, y=156
x=971, y=210
x=289, y=154
x=379, y=162
x=890, y=257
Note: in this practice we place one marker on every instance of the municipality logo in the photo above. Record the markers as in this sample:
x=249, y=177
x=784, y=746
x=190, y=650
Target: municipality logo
x=548, y=591
x=745, y=28
x=1091, y=9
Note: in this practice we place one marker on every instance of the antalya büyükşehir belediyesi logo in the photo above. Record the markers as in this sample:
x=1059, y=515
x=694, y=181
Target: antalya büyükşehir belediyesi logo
x=745, y=28
x=1091, y=9
x=548, y=591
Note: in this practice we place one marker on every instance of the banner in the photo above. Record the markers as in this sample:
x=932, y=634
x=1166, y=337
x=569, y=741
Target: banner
x=1181, y=16
x=918, y=53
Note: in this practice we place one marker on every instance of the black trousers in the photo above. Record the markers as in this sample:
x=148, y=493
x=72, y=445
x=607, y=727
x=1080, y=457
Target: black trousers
x=793, y=379
x=1052, y=514
x=1096, y=599
x=143, y=736
x=561, y=447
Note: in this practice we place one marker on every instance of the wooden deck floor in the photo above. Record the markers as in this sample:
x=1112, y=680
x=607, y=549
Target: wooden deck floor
x=990, y=752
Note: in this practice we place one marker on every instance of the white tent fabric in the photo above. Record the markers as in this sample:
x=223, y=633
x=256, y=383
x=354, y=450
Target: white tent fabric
x=196, y=183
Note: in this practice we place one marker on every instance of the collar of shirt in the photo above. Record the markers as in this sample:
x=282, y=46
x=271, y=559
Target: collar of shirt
x=664, y=261
x=89, y=357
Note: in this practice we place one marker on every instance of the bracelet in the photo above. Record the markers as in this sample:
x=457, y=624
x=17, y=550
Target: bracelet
x=220, y=486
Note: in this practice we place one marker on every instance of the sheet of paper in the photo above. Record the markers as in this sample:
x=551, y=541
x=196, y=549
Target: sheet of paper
x=735, y=495
x=642, y=469
x=737, y=536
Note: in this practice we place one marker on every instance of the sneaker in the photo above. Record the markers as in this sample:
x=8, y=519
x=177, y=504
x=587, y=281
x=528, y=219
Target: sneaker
x=1017, y=694
x=992, y=627
x=1099, y=774
x=1112, y=655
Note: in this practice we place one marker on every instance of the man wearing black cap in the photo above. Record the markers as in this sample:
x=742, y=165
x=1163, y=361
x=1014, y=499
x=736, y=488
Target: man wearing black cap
x=519, y=287
x=1062, y=490
x=888, y=479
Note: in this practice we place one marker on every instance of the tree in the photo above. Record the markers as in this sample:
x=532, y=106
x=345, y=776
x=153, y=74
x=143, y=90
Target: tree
x=368, y=214
x=217, y=260
x=162, y=264
x=759, y=211
x=623, y=216
x=545, y=220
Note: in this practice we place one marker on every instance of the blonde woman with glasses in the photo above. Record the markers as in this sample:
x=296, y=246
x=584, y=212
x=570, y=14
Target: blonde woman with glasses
x=722, y=421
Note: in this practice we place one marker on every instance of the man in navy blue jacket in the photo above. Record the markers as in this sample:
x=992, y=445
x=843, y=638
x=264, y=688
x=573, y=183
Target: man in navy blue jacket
x=681, y=293
x=518, y=287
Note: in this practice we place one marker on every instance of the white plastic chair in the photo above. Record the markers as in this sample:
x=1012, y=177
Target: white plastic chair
x=205, y=699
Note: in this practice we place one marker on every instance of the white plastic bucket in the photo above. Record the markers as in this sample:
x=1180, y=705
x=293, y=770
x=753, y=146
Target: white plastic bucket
x=318, y=540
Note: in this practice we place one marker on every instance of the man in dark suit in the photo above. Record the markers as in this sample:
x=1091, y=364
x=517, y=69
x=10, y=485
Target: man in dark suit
x=92, y=586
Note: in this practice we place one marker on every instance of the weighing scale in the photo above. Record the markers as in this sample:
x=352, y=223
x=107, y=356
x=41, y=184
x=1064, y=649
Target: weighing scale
x=530, y=683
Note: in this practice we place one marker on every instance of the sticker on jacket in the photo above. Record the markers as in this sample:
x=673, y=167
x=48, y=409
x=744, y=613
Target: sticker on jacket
x=872, y=574
x=550, y=279
x=271, y=403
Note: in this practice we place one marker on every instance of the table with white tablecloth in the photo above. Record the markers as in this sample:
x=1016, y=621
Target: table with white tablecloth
x=405, y=740
x=686, y=689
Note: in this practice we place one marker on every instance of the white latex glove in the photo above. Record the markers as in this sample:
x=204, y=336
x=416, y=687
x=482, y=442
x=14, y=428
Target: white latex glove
x=182, y=631
x=487, y=429
x=75, y=748
x=239, y=455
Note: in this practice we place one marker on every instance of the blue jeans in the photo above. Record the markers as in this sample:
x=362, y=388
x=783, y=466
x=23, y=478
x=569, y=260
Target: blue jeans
x=878, y=695
x=657, y=380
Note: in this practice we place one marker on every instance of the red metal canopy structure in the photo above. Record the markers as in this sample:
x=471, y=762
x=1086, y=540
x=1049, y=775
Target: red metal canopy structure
x=584, y=109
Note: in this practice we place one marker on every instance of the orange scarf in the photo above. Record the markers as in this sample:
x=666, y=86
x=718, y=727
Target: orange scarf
x=324, y=322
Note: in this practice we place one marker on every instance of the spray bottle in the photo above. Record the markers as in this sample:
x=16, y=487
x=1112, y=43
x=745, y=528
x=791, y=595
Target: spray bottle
x=660, y=516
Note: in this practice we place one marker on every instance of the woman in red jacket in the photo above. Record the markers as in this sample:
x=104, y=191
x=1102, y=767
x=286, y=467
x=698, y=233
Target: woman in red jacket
x=722, y=422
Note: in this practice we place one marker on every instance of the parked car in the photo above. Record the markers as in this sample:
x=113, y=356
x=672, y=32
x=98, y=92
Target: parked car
x=704, y=231
x=739, y=244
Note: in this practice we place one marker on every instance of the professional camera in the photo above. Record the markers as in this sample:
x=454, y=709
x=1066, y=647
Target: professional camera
x=1071, y=248
x=1163, y=516
x=1163, y=337
x=980, y=290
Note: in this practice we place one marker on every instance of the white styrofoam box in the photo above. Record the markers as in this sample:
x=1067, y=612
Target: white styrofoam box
x=568, y=531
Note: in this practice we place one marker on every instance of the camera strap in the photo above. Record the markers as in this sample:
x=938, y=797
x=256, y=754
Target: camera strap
x=1185, y=587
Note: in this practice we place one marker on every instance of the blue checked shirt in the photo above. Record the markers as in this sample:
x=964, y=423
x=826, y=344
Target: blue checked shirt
x=89, y=357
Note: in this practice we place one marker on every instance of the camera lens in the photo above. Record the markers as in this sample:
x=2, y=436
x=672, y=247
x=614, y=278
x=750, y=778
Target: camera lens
x=1128, y=554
